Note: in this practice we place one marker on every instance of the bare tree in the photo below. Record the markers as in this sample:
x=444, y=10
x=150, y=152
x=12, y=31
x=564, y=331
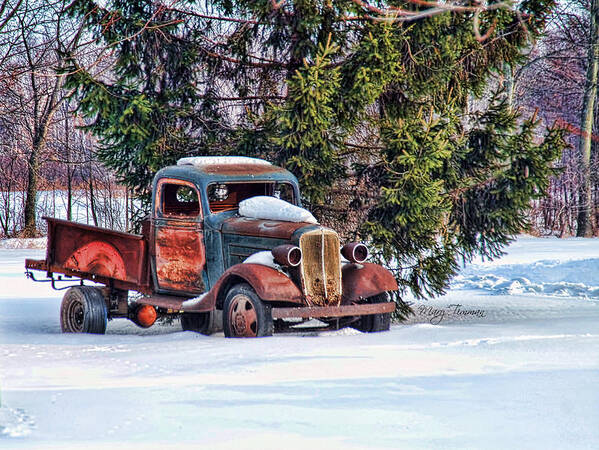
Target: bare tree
x=560, y=80
x=585, y=215
x=38, y=35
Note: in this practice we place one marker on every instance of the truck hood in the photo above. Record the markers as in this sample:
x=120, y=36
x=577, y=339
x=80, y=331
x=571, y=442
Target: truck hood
x=276, y=229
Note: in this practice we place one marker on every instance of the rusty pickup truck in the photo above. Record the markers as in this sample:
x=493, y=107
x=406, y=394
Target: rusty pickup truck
x=200, y=259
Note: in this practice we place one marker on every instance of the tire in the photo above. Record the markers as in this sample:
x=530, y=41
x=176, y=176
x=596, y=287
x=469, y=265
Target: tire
x=374, y=323
x=83, y=310
x=203, y=323
x=245, y=314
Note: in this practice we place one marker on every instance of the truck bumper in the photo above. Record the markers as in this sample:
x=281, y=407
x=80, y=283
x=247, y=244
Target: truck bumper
x=36, y=264
x=333, y=311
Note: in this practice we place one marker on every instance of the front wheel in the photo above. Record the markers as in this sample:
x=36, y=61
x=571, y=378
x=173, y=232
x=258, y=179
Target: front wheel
x=245, y=314
x=374, y=322
x=83, y=310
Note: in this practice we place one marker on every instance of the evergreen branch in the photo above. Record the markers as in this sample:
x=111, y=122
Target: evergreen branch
x=244, y=98
x=219, y=18
x=365, y=147
x=224, y=44
x=230, y=59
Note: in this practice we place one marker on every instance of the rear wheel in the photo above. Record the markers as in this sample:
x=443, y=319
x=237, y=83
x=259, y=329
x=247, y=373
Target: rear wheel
x=245, y=314
x=374, y=322
x=83, y=310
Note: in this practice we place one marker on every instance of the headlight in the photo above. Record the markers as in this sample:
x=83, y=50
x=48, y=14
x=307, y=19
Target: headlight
x=287, y=255
x=355, y=252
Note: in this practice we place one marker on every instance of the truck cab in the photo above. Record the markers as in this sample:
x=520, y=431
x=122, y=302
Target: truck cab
x=226, y=245
x=192, y=203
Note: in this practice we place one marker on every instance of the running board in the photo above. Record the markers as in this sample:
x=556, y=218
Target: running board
x=168, y=302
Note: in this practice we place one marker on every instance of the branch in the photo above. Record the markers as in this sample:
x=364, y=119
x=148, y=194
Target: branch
x=10, y=14
x=219, y=18
x=433, y=8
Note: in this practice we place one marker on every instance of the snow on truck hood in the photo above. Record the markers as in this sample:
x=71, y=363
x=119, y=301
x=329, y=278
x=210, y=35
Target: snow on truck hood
x=264, y=258
x=271, y=208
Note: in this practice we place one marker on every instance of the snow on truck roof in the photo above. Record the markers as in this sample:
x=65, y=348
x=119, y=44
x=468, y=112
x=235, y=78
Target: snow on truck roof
x=227, y=169
x=203, y=161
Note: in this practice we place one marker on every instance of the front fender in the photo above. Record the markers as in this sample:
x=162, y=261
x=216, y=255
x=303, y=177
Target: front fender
x=365, y=280
x=269, y=284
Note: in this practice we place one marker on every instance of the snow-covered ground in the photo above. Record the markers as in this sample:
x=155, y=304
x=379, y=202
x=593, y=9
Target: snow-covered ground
x=515, y=365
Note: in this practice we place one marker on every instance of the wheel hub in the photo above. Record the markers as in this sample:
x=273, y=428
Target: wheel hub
x=243, y=317
x=76, y=316
x=239, y=323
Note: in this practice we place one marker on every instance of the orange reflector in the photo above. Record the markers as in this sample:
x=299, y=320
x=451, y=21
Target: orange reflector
x=146, y=316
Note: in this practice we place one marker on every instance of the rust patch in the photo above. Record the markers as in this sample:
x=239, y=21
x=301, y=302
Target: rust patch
x=163, y=301
x=180, y=258
x=99, y=258
x=248, y=226
x=36, y=264
x=173, y=273
x=241, y=169
x=269, y=284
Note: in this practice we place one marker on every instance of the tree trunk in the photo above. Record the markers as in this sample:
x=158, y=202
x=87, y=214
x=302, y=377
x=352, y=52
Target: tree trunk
x=509, y=84
x=126, y=210
x=92, y=199
x=69, y=171
x=30, y=228
x=585, y=214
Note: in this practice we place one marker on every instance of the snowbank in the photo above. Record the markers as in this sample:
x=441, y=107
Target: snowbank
x=563, y=277
x=201, y=161
x=271, y=208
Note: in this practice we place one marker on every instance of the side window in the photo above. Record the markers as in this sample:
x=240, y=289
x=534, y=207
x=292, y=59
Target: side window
x=180, y=200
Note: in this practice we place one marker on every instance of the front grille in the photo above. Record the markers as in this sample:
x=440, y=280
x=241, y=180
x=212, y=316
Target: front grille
x=320, y=267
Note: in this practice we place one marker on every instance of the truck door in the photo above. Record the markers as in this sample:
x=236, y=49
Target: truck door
x=179, y=257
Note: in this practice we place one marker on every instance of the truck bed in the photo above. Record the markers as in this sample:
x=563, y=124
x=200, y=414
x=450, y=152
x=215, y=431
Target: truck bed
x=93, y=253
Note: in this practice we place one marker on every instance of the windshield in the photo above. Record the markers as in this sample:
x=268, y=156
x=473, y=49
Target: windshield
x=226, y=196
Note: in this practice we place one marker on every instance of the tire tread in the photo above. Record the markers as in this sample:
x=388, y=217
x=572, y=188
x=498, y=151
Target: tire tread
x=373, y=323
x=95, y=318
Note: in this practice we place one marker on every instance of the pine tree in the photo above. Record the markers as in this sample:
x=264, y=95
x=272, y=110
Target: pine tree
x=149, y=111
x=348, y=97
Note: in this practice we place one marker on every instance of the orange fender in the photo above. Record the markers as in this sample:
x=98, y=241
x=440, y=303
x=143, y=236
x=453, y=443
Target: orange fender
x=270, y=285
x=365, y=280
x=98, y=258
